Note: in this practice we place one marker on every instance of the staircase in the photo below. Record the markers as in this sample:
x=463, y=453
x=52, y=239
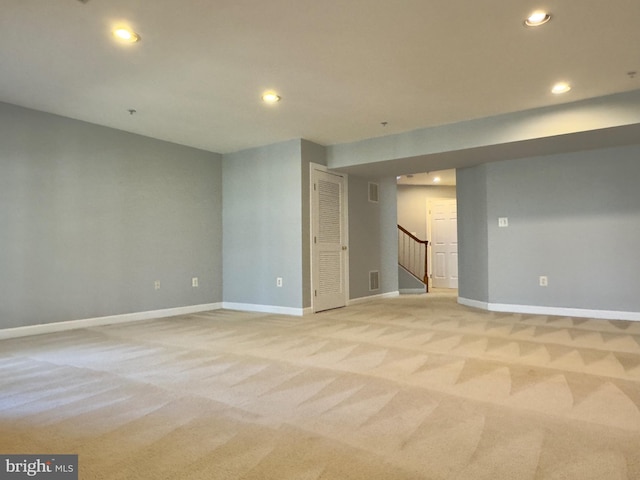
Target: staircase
x=412, y=255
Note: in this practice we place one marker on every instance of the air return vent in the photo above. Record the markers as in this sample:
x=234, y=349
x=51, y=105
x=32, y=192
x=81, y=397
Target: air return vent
x=373, y=192
x=374, y=280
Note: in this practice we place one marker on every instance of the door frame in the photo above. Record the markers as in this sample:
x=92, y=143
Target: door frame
x=344, y=225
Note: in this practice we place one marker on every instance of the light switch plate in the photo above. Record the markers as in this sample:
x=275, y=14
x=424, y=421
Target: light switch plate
x=503, y=221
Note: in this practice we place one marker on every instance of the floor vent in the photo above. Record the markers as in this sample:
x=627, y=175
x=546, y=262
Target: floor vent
x=374, y=280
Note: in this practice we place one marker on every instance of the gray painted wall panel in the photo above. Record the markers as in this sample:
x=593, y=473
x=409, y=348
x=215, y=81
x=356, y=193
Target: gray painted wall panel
x=364, y=238
x=90, y=217
x=408, y=282
x=473, y=247
x=555, y=121
x=388, y=235
x=574, y=218
x=373, y=241
x=262, y=225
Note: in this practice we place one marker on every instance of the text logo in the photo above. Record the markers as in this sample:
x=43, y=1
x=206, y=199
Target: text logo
x=45, y=467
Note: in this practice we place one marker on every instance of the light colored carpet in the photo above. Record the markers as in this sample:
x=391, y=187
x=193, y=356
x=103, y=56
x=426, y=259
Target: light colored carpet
x=415, y=387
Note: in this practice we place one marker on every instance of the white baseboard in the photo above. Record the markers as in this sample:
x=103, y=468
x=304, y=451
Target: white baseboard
x=355, y=301
x=555, y=311
x=473, y=303
x=251, y=307
x=108, y=320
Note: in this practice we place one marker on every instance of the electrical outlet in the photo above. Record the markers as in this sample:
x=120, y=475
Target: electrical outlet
x=156, y=284
x=279, y=282
x=194, y=282
x=544, y=281
x=503, y=221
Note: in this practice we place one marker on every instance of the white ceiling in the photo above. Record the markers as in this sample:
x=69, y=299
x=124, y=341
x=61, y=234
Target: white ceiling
x=341, y=66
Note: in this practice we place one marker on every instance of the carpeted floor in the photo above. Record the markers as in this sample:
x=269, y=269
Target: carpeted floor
x=415, y=387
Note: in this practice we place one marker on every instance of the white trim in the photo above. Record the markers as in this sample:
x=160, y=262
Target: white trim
x=556, y=311
x=412, y=291
x=473, y=303
x=566, y=312
x=355, y=301
x=108, y=320
x=252, y=307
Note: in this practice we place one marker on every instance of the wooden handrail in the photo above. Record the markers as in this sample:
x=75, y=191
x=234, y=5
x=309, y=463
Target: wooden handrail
x=401, y=228
x=412, y=269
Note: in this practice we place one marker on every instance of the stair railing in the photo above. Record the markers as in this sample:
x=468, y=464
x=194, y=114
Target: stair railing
x=412, y=255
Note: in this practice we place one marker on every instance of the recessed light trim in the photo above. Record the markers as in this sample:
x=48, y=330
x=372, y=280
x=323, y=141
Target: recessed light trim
x=126, y=35
x=560, y=88
x=271, y=97
x=537, y=18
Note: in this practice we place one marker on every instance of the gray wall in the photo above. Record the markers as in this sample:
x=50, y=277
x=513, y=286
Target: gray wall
x=573, y=217
x=412, y=205
x=433, y=148
x=373, y=241
x=90, y=217
x=263, y=226
x=473, y=247
x=388, y=235
x=407, y=281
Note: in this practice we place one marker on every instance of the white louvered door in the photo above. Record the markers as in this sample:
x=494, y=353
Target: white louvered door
x=329, y=242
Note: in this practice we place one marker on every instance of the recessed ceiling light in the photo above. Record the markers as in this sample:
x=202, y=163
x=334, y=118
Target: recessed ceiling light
x=537, y=18
x=560, y=87
x=271, y=97
x=126, y=35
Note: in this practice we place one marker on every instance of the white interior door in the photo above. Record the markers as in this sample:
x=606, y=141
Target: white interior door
x=329, y=240
x=444, y=243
